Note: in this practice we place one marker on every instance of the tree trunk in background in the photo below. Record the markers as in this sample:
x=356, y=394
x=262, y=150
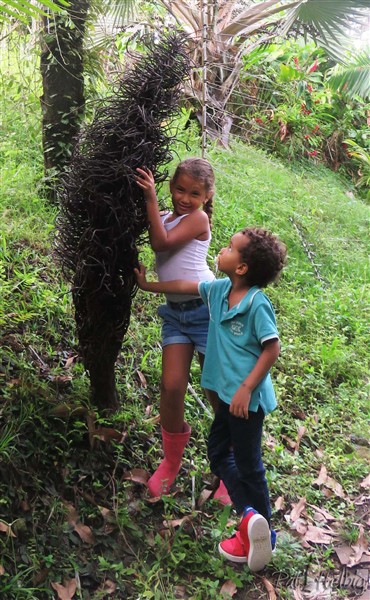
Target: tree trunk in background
x=63, y=98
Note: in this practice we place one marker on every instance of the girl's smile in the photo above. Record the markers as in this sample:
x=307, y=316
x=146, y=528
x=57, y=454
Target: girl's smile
x=188, y=194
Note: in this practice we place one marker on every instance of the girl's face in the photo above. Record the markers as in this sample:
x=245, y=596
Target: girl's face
x=188, y=194
x=230, y=257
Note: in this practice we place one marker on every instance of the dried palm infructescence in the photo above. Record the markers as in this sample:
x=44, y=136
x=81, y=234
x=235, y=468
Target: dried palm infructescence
x=103, y=216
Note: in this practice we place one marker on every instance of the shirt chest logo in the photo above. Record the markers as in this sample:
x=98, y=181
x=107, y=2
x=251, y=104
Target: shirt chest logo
x=236, y=328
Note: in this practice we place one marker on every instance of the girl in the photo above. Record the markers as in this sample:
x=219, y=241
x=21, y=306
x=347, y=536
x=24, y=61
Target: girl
x=180, y=241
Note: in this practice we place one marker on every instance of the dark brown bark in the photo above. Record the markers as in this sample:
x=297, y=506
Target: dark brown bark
x=102, y=219
x=63, y=99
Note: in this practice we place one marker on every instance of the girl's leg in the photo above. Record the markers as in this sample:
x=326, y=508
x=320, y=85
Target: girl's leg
x=211, y=396
x=176, y=360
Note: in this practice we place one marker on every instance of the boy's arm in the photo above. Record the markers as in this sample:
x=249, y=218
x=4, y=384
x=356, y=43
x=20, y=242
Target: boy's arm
x=240, y=403
x=178, y=286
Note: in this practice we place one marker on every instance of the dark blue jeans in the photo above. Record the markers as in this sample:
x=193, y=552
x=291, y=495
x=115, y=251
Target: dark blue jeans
x=234, y=452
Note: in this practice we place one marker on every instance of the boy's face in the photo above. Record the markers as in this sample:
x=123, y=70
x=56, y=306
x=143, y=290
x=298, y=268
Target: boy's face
x=230, y=257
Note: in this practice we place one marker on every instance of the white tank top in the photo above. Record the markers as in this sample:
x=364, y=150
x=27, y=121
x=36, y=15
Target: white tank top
x=188, y=262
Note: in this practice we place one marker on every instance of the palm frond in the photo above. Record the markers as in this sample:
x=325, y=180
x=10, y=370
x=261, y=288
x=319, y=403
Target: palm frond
x=121, y=12
x=327, y=22
x=23, y=10
x=353, y=78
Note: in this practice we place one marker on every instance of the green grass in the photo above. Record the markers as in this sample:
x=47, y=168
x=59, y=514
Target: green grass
x=46, y=460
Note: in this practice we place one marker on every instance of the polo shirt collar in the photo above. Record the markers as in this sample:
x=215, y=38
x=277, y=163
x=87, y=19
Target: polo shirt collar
x=244, y=304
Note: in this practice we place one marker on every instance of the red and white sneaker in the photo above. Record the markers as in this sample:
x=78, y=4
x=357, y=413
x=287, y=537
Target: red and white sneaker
x=233, y=549
x=251, y=543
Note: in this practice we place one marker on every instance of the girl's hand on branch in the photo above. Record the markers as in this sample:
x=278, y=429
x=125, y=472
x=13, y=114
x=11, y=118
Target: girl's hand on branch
x=140, y=275
x=145, y=180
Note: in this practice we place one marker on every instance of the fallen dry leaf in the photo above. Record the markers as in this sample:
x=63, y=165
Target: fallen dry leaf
x=72, y=514
x=365, y=483
x=2, y=570
x=67, y=591
x=5, y=528
x=154, y=420
x=108, y=434
x=298, y=509
x=61, y=378
x=325, y=515
x=291, y=443
x=343, y=553
x=360, y=549
x=318, y=535
x=362, y=500
x=204, y=496
x=24, y=505
x=176, y=522
x=328, y=482
x=228, y=589
x=280, y=503
x=13, y=382
x=269, y=587
x=322, y=477
x=85, y=533
x=40, y=576
x=107, y=587
x=136, y=475
x=300, y=526
x=271, y=442
x=142, y=379
x=107, y=514
x=335, y=487
x=300, y=434
x=82, y=530
x=68, y=410
x=70, y=361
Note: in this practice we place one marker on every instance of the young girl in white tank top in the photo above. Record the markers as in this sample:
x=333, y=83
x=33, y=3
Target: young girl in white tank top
x=180, y=241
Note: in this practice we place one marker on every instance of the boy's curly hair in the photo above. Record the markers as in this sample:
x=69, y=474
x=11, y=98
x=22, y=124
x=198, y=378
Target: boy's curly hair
x=264, y=254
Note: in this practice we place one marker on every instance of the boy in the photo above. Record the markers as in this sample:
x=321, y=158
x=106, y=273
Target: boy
x=243, y=344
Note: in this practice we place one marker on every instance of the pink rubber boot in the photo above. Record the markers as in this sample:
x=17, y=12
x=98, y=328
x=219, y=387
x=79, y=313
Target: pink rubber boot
x=222, y=495
x=173, y=448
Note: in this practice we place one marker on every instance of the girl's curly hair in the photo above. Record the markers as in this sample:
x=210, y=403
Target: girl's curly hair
x=265, y=254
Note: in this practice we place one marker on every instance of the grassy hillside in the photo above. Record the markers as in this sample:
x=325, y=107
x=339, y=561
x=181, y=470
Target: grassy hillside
x=70, y=513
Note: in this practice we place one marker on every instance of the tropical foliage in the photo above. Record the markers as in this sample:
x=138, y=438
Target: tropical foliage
x=24, y=10
x=290, y=109
x=353, y=79
x=233, y=29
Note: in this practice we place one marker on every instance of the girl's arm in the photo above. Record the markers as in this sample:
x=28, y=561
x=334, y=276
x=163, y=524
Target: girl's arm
x=179, y=286
x=240, y=403
x=195, y=225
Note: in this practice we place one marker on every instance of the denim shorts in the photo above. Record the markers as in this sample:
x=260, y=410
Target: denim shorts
x=185, y=323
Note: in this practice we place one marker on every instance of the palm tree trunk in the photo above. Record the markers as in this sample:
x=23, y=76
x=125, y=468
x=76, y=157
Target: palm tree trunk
x=63, y=99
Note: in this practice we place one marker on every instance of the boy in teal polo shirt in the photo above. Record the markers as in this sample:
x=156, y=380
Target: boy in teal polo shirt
x=243, y=344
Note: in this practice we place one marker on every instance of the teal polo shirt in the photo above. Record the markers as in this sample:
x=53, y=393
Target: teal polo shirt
x=234, y=343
